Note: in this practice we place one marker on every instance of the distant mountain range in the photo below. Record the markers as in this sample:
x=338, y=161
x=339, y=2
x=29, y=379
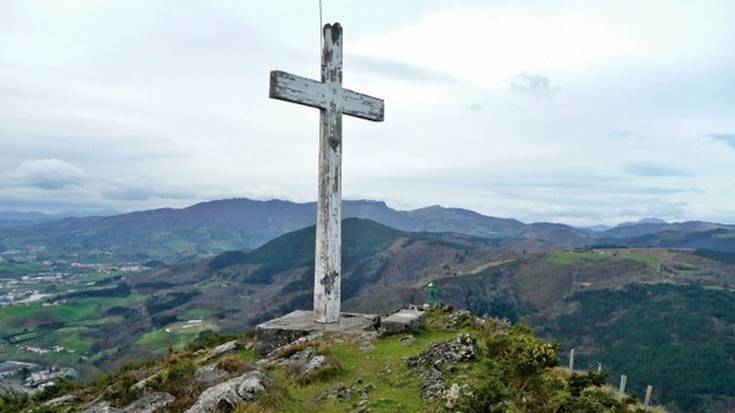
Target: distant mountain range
x=213, y=227
x=12, y=219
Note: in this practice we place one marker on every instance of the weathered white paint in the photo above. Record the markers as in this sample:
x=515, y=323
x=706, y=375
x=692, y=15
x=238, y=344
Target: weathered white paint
x=308, y=92
x=333, y=101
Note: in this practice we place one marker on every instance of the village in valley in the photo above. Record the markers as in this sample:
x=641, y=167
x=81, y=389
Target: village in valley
x=29, y=359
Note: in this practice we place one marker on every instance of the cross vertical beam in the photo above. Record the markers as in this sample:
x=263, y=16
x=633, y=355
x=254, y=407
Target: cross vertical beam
x=332, y=101
x=327, y=264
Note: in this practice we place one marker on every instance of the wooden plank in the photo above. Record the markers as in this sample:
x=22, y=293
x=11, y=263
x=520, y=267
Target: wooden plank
x=297, y=89
x=363, y=106
x=647, y=401
x=328, y=254
x=305, y=91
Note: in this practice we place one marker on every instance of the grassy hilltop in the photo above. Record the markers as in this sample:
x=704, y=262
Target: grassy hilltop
x=498, y=367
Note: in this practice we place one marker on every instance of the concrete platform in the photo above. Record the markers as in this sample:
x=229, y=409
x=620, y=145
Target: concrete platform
x=403, y=321
x=283, y=330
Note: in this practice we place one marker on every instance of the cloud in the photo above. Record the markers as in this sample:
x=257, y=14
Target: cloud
x=47, y=174
x=620, y=134
x=154, y=114
x=726, y=138
x=397, y=70
x=655, y=170
x=144, y=191
x=538, y=86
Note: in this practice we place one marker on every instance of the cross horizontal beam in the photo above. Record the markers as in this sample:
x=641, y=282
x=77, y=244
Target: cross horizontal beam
x=308, y=92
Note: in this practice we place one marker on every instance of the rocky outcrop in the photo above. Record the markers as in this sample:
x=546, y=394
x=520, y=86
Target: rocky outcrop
x=69, y=398
x=101, y=407
x=313, y=365
x=429, y=362
x=229, y=394
x=456, y=319
x=147, y=404
x=298, y=360
x=460, y=348
x=344, y=394
x=209, y=375
x=222, y=349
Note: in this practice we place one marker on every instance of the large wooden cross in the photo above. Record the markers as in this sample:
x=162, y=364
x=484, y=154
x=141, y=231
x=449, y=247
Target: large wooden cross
x=332, y=100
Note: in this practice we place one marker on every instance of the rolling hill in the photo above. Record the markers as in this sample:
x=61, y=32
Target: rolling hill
x=618, y=306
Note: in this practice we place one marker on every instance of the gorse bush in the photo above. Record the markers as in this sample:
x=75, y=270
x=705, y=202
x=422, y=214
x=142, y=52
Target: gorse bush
x=521, y=375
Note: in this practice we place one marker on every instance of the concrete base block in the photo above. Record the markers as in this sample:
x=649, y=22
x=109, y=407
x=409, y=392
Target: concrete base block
x=403, y=321
x=283, y=330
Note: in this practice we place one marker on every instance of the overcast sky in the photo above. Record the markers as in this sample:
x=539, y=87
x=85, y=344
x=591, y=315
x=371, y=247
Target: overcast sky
x=573, y=111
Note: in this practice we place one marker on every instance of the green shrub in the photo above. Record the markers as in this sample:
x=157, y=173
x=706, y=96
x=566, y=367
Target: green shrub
x=520, y=376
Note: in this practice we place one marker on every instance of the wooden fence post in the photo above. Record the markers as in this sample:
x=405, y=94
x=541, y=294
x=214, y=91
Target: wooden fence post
x=571, y=360
x=649, y=393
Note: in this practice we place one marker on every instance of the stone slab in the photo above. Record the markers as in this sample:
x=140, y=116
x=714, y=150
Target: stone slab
x=403, y=321
x=290, y=327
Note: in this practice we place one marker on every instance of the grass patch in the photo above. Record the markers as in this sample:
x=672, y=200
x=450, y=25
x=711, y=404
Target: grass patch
x=19, y=317
x=155, y=340
x=197, y=314
x=393, y=391
x=570, y=257
x=640, y=256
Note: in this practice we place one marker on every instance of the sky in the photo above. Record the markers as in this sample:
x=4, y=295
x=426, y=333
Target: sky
x=568, y=111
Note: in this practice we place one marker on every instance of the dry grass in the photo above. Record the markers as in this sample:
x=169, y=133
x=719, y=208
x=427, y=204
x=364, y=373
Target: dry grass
x=273, y=400
x=234, y=364
x=288, y=351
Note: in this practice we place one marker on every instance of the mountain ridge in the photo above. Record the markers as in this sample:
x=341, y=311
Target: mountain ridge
x=213, y=227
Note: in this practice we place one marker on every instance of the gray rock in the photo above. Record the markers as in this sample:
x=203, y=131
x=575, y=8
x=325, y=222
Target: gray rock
x=454, y=320
x=69, y=398
x=228, y=347
x=231, y=393
x=362, y=402
x=300, y=359
x=408, y=340
x=451, y=396
x=210, y=374
x=140, y=385
x=403, y=321
x=460, y=348
x=149, y=404
x=101, y=407
x=313, y=365
x=338, y=391
x=432, y=383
